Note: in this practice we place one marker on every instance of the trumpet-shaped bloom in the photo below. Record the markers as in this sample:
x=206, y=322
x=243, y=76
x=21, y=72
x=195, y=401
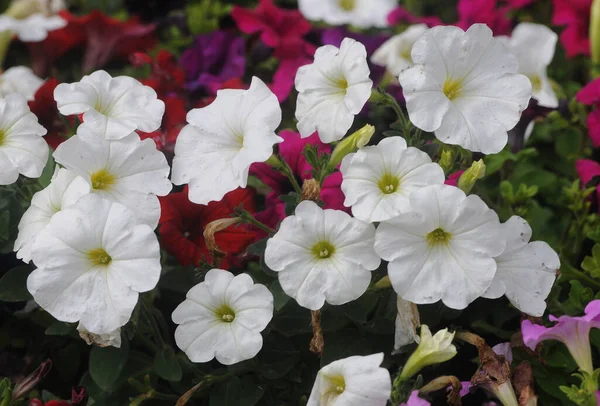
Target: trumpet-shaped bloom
x=127, y=171
x=222, y=318
x=33, y=28
x=526, y=270
x=114, y=107
x=442, y=247
x=22, y=148
x=93, y=260
x=378, y=180
x=432, y=349
x=21, y=80
x=574, y=332
x=322, y=255
x=63, y=191
x=533, y=45
x=359, y=13
x=464, y=87
x=332, y=90
x=352, y=381
x=394, y=54
x=214, y=152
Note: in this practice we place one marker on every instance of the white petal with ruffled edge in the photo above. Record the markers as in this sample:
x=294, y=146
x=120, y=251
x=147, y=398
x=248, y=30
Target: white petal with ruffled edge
x=394, y=53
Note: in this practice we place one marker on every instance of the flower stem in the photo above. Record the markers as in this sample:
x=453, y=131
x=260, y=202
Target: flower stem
x=246, y=217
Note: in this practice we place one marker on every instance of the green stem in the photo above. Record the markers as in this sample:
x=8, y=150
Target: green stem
x=246, y=217
x=287, y=172
x=583, y=277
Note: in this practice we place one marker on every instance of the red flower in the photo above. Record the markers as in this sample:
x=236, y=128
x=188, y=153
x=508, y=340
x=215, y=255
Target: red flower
x=44, y=107
x=484, y=11
x=166, y=75
x=575, y=15
x=105, y=38
x=182, y=226
x=590, y=96
x=233, y=83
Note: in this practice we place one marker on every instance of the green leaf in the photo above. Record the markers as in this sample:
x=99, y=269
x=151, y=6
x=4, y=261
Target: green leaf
x=494, y=162
x=236, y=392
x=167, y=366
x=59, y=328
x=106, y=364
x=592, y=264
x=280, y=298
x=13, y=285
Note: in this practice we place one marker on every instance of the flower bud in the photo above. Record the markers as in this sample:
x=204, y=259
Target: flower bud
x=469, y=177
x=447, y=160
x=351, y=144
x=431, y=350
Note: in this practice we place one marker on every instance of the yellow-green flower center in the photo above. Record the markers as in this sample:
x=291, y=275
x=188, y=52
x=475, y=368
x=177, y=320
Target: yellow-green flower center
x=438, y=236
x=405, y=54
x=225, y=313
x=338, y=383
x=452, y=88
x=2, y=137
x=323, y=250
x=536, y=82
x=388, y=183
x=347, y=5
x=99, y=257
x=102, y=179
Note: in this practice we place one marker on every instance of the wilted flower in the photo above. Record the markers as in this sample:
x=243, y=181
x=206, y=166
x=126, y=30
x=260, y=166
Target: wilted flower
x=222, y=318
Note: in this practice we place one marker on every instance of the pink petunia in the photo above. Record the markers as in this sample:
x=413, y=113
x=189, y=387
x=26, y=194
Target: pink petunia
x=590, y=96
x=484, y=11
x=575, y=15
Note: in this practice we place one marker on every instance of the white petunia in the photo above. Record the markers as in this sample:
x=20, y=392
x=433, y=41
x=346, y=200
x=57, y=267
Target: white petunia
x=394, y=53
x=21, y=80
x=526, y=270
x=359, y=13
x=352, y=381
x=128, y=171
x=443, y=247
x=322, y=255
x=213, y=153
x=114, y=107
x=64, y=190
x=22, y=148
x=378, y=180
x=33, y=28
x=93, y=260
x=464, y=88
x=533, y=45
x=222, y=318
x=332, y=90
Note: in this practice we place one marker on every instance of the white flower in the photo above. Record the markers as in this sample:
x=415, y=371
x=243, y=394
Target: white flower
x=111, y=339
x=526, y=270
x=322, y=255
x=33, y=28
x=378, y=180
x=114, y=107
x=431, y=350
x=22, y=148
x=93, y=260
x=394, y=53
x=214, y=152
x=443, y=247
x=352, y=381
x=533, y=45
x=64, y=190
x=464, y=87
x=127, y=171
x=222, y=318
x=21, y=80
x=332, y=90
x=359, y=13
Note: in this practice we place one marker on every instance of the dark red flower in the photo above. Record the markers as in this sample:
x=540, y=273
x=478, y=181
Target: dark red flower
x=233, y=83
x=575, y=15
x=166, y=75
x=486, y=12
x=182, y=225
x=172, y=123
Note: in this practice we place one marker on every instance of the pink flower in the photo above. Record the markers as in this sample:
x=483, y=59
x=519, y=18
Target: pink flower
x=574, y=332
x=400, y=15
x=415, y=400
x=590, y=96
x=588, y=170
x=517, y=4
x=283, y=79
x=484, y=11
x=575, y=15
x=453, y=178
x=290, y=150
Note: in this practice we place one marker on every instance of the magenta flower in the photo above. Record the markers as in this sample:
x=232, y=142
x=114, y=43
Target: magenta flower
x=574, y=332
x=575, y=15
x=517, y=4
x=590, y=96
x=214, y=59
x=588, y=170
x=415, y=400
x=486, y=12
x=453, y=178
x=400, y=15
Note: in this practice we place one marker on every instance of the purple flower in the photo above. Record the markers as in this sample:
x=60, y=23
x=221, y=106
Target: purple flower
x=574, y=332
x=213, y=59
x=415, y=400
